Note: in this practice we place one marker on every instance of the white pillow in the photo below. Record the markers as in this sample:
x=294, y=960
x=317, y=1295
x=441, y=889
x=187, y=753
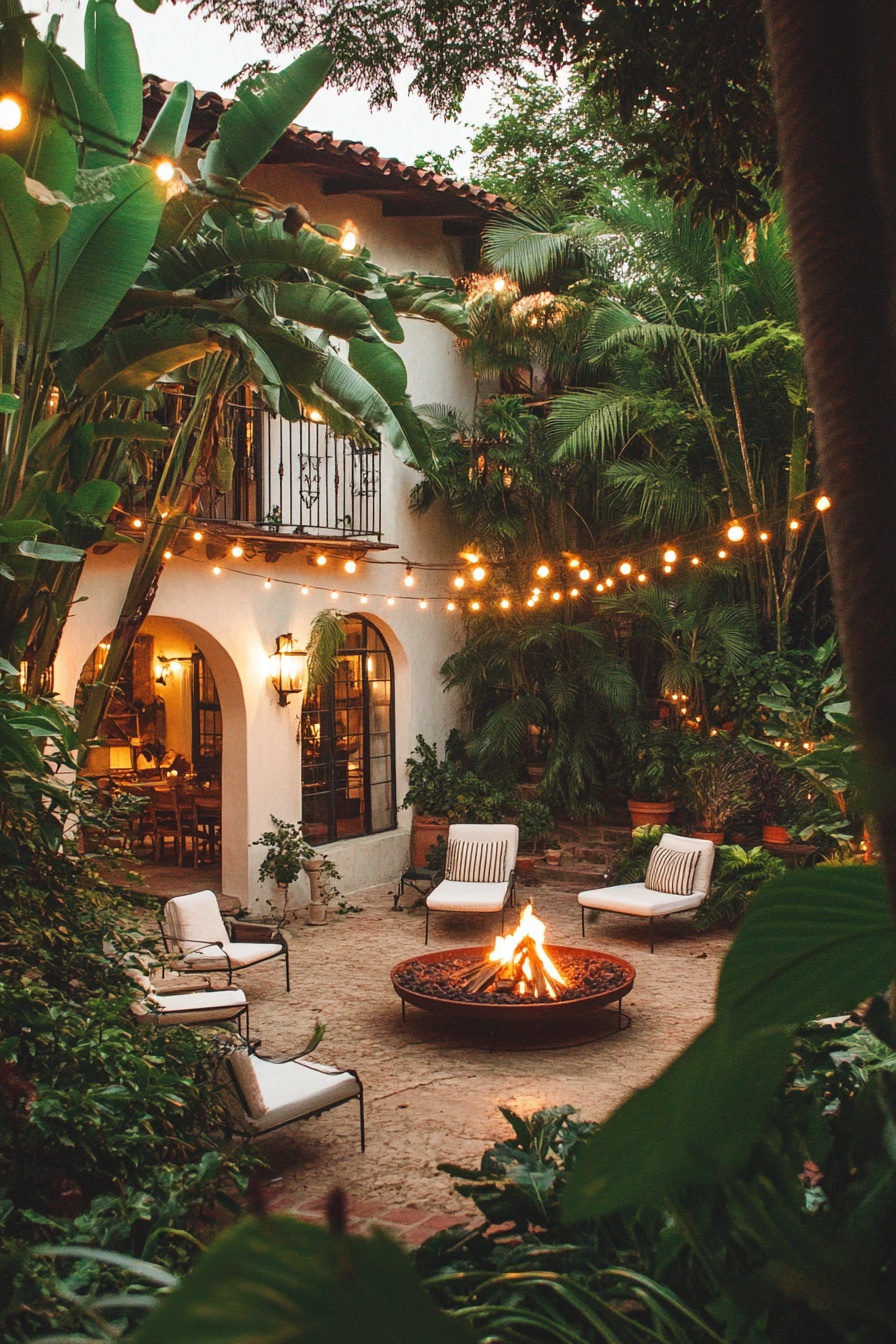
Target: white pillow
x=476, y=861
x=671, y=871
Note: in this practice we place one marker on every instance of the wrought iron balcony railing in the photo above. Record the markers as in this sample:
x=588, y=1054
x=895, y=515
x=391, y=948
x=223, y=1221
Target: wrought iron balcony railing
x=289, y=477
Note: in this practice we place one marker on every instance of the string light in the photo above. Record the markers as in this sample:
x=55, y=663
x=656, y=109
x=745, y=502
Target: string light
x=321, y=559
x=197, y=536
x=499, y=284
x=574, y=563
x=530, y=602
x=794, y=524
x=459, y=580
x=822, y=503
x=164, y=170
x=670, y=556
x=763, y=536
x=504, y=604
x=667, y=569
x=609, y=582
x=334, y=596
x=478, y=573
x=316, y=416
x=423, y=604
x=695, y=559
x=137, y=522
x=216, y=569
x=236, y=550
x=471, y=556
x=555, y=597
x=584, y=575
x=642, y=578
x=304, y=590
x=573, y=592
x=625, y=568
x=350, y=566
x=268, y=584
x=723, y=555
x=475, y=606
x=543, y=571
x=600, y=588
x=408, y=579
x=390, y=601
x=10, y=113
x=167, y=555
x=452, y=606
x=363, y=599
x=735, y=532
x=348, y=239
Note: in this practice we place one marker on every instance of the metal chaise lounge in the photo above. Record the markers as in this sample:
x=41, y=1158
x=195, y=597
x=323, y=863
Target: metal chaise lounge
x=479, y=872
x=643, y=901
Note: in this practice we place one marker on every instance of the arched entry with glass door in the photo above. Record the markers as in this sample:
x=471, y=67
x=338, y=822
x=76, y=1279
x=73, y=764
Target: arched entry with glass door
x=348, y=742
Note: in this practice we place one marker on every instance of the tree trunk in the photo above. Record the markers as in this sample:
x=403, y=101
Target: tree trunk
x=835, y=87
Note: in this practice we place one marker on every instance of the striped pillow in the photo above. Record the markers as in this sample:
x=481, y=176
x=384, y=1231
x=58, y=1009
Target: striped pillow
x=671, y=871
x=476, y=861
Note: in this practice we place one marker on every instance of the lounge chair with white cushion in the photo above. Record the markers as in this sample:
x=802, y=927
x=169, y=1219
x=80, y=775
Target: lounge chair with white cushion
x=479, y=872
x=173, y=1005
x=194, y=930
x=678, y=878
x=273, y=1092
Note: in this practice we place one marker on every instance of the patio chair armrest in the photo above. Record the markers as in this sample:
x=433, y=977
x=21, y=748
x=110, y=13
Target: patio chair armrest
x=241, y=931
x=295, y=1058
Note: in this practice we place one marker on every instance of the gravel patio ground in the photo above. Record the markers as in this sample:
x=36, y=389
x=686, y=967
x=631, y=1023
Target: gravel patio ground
x=432, y=1091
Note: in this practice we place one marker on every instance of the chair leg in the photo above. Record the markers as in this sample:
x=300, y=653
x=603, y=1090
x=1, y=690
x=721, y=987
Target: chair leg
x=582, y=908
x=651, y=932
x=361, y=1116
x=426, y=935
x=286, y=960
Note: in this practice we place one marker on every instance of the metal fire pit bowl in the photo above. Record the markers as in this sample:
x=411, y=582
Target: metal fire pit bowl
x=518, y=1014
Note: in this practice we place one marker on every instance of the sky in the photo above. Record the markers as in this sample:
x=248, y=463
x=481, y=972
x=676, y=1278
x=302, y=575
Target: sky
x=175, y=46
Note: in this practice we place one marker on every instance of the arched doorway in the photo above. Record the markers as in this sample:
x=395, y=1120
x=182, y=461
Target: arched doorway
x=348, y=742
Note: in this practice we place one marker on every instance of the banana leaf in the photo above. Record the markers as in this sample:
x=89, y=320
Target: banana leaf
x=321, y=306
x=165, y=137
x=416, y=298
x=111, y=61
x=27, y=231
x=80, y=105
x=131, y=359
x=261, y=112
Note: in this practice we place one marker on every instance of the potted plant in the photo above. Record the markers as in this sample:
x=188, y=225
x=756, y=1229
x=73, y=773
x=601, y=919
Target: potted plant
x=553, y=852
x=432, y=789
x=535, y=823
x=716, y=784
x=651, y=773
x=288, y=853
x=774, y=791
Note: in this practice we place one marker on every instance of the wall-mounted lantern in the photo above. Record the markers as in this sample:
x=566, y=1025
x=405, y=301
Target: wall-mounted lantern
x=289, y=669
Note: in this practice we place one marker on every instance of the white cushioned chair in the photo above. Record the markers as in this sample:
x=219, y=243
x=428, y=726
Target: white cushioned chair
x=637, y=899
x=195, y=932
x=173, y=1005
x=479, y=872
x=272, y=1092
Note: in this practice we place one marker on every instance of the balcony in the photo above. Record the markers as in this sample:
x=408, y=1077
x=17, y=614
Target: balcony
x=290, y=479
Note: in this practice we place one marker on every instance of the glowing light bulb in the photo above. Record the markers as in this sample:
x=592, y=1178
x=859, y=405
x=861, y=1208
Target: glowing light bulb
x=350, y=566
x=268, y=584
x=542, y=572
x=197, y=536
x=10, y=113
x=667, y=569
x=363, y=599
x=333, y=595
x=723, y=555
x=584, y=575
x=695, y=559
x=499, y=284
x=390, y=601
x=408, y=579
x=670, y=556
x=315, y=416
x=423, y=604
x=236, y=551
x=642, y=578
x=478, y=573
x=555, y=597
x=137, y=522
x=600, y=587
x=349, y=238
x=304, y=590
x=504, y=604
x=574, y=564
x=216, y=569
x=475, y=606
x=165, y=170
x=452, y=606
x=321, y=559
x=735, y=532
x=573, y=592
x=536, y=592
x=459, y=580
x=167, y=555
x=822, y=503
x=609, y=582
x=625, y=567
x=794, y=524
x=763, y=536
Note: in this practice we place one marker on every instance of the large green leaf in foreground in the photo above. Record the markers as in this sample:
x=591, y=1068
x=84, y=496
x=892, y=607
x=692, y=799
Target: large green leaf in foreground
x=279, y=1281
x=813, y=944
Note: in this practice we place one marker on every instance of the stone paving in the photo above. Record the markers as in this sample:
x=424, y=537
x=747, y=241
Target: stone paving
x=432, y=1091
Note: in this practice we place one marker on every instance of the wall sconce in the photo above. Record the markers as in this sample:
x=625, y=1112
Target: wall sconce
x=289, y=669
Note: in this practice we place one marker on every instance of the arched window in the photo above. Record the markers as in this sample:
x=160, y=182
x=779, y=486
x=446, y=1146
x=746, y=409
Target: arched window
x=348, y=735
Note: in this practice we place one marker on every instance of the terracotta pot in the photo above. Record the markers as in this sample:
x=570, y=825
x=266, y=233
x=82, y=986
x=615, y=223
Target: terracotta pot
x=649, y=814
x=525, y=868
x=717, y=837
x=425, y=831
x=552, y=857
x=775, y=835
x=317, y=913
x=535, y=772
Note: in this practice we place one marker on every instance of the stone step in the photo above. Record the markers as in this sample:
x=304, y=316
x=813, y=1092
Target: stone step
x=570, y=875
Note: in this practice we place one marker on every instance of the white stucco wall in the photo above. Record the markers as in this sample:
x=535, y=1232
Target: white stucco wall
x=234, y=620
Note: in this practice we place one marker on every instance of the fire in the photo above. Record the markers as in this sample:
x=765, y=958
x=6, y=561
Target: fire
x=522, y=959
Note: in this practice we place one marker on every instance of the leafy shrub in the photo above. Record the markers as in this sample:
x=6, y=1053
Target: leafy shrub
x=109, y=1128
x=448, y=789
x=632, y=867
x=737, y=876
